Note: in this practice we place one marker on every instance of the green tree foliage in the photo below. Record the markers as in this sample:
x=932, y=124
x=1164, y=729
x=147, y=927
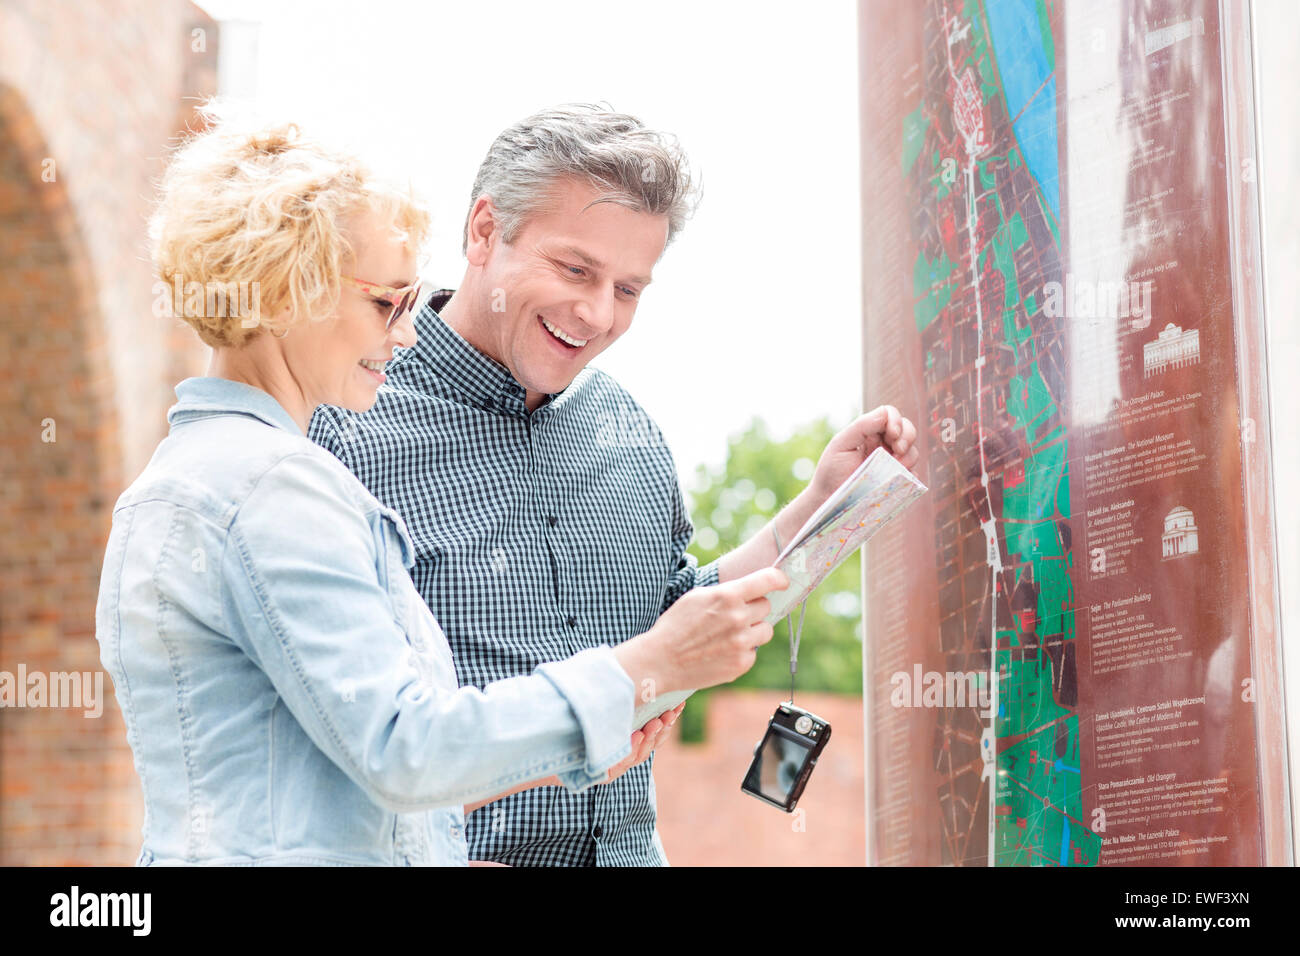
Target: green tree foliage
x=729, y=506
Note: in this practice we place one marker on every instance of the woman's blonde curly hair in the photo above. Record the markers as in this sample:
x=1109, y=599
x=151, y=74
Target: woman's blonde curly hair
x=265, y=209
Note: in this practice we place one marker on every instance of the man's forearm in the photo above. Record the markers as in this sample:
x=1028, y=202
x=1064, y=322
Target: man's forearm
x=760, y=550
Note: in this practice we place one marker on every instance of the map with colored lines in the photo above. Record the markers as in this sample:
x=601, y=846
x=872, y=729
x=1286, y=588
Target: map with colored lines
x=981, y=157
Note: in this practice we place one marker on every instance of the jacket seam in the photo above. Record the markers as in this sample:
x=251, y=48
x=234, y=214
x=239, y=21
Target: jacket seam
x=183, y=717
x=270, y=770
x=312, y=455
x=124, y=697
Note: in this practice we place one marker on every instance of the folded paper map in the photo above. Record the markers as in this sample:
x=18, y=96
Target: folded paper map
x=878, y=491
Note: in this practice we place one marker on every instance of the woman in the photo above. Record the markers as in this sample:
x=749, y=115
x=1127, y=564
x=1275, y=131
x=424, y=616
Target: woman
x=288, y=697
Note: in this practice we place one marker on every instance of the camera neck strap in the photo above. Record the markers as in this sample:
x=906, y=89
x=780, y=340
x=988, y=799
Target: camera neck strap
x=795, y=638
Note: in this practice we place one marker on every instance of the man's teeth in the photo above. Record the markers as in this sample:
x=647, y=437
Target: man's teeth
x=373, y=366
x=578, y=343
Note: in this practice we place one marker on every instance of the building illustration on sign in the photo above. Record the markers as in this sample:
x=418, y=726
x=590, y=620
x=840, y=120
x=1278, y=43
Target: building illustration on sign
x=1174, y=347
x=1180, y=537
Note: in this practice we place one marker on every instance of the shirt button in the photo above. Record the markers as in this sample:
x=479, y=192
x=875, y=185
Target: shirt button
x=597, y=831
x=551, y=520
x=572, y=621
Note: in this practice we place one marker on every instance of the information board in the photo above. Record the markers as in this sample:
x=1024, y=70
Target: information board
x=1073, y=655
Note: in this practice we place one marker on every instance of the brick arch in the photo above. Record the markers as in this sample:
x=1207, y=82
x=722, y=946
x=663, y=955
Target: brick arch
x=55, y=506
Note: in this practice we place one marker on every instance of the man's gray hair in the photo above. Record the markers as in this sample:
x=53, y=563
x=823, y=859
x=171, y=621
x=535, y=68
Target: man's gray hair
x=631, y=165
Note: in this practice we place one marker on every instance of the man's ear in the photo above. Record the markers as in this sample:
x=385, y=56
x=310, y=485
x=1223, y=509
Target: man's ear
x=482, y=231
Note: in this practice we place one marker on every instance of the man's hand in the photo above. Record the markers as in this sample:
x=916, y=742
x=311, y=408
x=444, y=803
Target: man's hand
x=850, y=448
x=840, y=458
x=645, y=740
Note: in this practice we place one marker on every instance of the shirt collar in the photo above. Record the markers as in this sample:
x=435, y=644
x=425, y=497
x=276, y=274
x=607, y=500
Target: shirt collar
x=206, y=397
x=484, y=381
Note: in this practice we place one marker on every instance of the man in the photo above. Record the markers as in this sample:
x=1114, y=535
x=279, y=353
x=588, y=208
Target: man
x=543, y=503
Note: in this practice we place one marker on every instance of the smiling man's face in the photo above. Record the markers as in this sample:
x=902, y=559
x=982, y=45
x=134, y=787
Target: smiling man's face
x=567, y=286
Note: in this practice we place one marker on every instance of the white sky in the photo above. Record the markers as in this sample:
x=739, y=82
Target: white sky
x=755, y=309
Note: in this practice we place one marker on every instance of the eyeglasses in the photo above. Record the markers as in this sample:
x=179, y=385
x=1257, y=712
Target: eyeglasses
x=403, y=299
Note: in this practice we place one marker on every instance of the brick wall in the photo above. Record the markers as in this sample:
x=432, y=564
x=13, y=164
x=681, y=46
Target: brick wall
x=90, y=96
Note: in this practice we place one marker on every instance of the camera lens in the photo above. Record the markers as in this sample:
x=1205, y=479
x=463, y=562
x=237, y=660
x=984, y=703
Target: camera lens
x=803, y=724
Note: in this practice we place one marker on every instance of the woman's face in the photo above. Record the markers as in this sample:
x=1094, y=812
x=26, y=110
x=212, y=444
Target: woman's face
x=326, y=357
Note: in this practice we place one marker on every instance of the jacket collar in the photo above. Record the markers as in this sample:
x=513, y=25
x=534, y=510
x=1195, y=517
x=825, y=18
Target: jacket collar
x=206, y=397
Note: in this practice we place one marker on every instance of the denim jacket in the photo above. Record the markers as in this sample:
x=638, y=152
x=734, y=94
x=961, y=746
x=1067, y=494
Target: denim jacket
x=288, y=697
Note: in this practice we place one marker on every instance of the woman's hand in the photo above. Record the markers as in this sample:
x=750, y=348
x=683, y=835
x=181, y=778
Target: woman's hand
x=645, y=741
x=709, y=636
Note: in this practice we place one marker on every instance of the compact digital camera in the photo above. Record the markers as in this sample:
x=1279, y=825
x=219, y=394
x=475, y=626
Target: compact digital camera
x=785, y=757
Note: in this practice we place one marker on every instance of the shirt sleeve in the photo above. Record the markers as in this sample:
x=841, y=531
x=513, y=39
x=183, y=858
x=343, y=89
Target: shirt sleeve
x=684, y=573
x=310, y=598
